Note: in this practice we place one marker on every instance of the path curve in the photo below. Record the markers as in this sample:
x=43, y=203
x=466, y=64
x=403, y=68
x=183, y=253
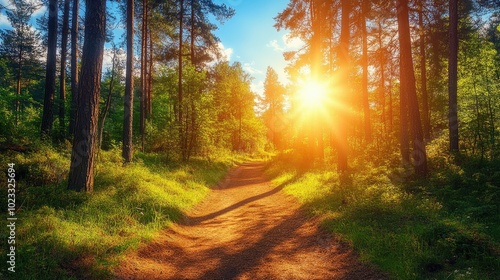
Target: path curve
x=246, y=228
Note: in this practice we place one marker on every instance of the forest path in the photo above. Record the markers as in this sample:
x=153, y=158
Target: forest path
x=246, y=228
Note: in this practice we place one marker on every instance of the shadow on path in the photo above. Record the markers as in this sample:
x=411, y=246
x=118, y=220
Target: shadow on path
x=246, y=229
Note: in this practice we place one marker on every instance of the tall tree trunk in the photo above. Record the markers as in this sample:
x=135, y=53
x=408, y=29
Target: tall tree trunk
x=50, y=72
x=390, y=111
x=382, y=61
x=316, y=133
x=452, y=76
x=18, y=84
x=409, y=91
x=102, y=121
x=364, y=81
x=127, y=148
x=423, y=75
x=74, y=66
x=81, y=173
x=150, y=78
x=404, y=138
x=62, y=77
x=147, y=62
x=192, y=31
x=180, y=93
x=344, y=61
x=144, y=63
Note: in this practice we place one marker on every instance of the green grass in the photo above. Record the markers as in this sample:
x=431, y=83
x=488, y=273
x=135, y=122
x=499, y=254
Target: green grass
x=444, y=227
x=72, y=235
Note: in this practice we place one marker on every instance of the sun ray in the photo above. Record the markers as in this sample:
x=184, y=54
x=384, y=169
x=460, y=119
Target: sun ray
x=313, y=95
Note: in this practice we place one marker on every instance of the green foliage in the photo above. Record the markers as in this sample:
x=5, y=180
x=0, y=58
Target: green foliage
x=274, y=102
x=479, y=93
x=236, y=125
x=218, y=109
x=445, y=227
x=82, y=236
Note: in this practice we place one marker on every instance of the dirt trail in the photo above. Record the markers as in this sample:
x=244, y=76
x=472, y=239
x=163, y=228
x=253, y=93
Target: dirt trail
x=245, y=229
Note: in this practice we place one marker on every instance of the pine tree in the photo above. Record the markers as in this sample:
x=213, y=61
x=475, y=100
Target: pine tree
x=81, y=173
x=21, y=46
x=50, y=74
x=127, y=150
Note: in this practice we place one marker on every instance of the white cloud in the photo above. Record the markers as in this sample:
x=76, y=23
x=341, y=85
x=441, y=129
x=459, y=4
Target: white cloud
x=275, y=45
x=258, y=88
x=292, y=42
x=107, y=62
x=226, y=53
x=288, y=42
x=250, y=69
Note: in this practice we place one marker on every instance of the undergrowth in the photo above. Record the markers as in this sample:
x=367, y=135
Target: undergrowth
x=444, y=227
x=71, y=235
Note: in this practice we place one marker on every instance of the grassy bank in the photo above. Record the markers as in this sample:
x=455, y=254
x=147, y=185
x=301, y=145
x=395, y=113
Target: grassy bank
x=444, y=227
x=71, y=235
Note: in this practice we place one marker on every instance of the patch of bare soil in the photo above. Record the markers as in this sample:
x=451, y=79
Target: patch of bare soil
x=245, y=229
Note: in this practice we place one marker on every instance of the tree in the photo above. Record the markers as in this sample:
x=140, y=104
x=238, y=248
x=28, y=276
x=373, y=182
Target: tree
x=112, y=89
x=62, y=77
x=452, y=76
x=423, y=73
x=81, y=173
x=344, y=61
x=127, y=149
x=365, y=7
x=145, y=91
x=74, y=65
x=274, y=101
x=21, y=46
x=236, y=127
x=408, y=93
x=201, y=30
x=50, y=74
x=200, y=27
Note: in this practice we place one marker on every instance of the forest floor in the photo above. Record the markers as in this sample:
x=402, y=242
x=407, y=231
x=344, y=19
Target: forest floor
x=246, y=228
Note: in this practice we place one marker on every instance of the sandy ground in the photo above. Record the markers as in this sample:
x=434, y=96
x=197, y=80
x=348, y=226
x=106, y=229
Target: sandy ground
x=245, y=229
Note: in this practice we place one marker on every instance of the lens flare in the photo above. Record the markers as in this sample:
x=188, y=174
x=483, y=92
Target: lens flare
x=312, y=95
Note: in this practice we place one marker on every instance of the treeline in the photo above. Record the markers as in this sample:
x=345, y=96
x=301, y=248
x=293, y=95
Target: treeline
x=399, y=74
x=167, y=89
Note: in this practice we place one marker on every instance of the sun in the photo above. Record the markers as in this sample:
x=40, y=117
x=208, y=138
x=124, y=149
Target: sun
x=312, y=94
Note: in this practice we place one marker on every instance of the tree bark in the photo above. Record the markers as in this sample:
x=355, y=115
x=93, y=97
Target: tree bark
x=452, y=76
x=344, y=61
x=127, y=147
x=364, y=79
x=144, y=63
x=108, y=102
x=62, y=77
x=180, y=92
x=50, y=71
x=382, y=62
x=74, y=66
x=192, y=32
x=409, y=91
x=150, y=78
x=423, y=75
x=18, y=85
x=81, y=173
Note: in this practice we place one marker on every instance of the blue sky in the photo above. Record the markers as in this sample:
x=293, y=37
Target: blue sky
x=250, y=38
